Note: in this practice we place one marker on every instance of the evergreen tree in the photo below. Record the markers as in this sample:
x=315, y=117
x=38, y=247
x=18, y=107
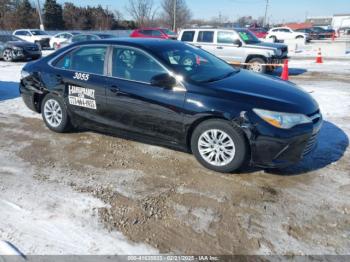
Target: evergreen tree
x=26, y=16
x=53, y=18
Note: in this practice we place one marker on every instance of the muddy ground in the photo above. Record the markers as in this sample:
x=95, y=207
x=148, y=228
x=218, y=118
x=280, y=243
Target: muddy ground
x=166, y=199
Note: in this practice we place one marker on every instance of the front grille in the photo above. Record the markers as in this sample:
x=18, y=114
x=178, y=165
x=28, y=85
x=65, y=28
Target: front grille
x=32, y=48
x=310, y=144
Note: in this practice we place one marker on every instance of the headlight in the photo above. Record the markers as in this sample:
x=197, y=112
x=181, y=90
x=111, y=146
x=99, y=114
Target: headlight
x=278, y=52
x=24, y=74
x=282, y=120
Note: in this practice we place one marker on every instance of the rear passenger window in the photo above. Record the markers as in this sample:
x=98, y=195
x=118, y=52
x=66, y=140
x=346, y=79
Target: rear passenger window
x=86, y=59
x=205, y=36
x=134, y=65
x=187, y=36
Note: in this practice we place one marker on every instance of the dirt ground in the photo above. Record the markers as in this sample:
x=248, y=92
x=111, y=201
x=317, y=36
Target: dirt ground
x=166, y=199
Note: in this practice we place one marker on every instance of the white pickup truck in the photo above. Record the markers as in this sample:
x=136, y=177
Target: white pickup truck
x=237, y=46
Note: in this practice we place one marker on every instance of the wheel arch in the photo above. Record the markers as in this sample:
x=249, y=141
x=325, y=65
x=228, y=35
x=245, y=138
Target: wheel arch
x=250, y=57
x=197, y=122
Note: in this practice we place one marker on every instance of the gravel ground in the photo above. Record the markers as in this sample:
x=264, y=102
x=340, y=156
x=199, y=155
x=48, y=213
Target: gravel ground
x=106, y=189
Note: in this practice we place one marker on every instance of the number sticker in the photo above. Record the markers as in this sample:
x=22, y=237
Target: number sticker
x=81, y=76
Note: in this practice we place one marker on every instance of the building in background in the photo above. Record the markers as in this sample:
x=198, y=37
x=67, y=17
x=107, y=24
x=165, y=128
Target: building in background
x=341, y=21
x=321, y=21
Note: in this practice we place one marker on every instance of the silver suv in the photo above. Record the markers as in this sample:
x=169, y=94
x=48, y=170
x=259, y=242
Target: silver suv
x=237, y=46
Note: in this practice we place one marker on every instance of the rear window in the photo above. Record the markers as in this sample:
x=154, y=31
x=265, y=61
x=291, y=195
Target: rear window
x=187, y=36
x=85, y=59
x=206, y=36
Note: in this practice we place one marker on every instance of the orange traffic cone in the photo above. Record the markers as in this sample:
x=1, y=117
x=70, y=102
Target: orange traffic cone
x=319, y=59
x=285, y=71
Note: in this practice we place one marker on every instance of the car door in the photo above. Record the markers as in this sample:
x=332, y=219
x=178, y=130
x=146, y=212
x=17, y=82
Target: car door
x=81, y=74
x=205, y=40
x=134, y=104
x=226, y=49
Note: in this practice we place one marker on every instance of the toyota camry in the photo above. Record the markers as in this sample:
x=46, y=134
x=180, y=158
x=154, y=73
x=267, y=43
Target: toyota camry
x=174, y=94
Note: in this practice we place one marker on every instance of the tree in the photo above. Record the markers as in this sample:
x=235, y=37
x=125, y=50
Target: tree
x=142, y=11
x=53, y=18
x=183, y=13
x=26, y=15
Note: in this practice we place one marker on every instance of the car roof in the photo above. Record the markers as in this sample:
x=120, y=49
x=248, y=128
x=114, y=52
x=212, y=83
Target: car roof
x=143, y=43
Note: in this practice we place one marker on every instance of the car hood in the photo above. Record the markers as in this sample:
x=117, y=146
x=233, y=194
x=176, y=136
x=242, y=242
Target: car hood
x=20, y=44
x=265, y=45
x=265, y=92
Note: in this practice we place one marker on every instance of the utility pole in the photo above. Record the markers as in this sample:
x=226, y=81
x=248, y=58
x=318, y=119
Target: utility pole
x=40, y=16
x=174, y=24
x=265, y=17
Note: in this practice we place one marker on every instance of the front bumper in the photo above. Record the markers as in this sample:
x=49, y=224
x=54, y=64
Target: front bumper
x=272, y=147
x=24, y=54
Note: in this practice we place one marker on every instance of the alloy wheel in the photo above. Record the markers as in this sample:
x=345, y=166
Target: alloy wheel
x=7, y=55
x=216, y=147
x=53, y=113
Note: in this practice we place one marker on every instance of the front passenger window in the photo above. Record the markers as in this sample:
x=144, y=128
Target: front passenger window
x=131, y=64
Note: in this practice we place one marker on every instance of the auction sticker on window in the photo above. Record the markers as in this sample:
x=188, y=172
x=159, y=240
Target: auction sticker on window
x=80, y=96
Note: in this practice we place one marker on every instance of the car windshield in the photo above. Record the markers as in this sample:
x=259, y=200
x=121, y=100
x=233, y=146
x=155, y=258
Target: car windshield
x=105, y=36
x=247, y=36
x=194, y=64
x=8, y=38
x=168, y=31
x=38, y=32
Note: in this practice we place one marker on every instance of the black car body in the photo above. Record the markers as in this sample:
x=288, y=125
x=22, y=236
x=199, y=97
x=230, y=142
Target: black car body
x=313, y=35
x=323, y=33
x=13, y=48
x=172, y=93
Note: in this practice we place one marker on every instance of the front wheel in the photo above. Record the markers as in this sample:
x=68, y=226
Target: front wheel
x=55, y=114
x=219, y=146
x=257, y=65
x=7, y=55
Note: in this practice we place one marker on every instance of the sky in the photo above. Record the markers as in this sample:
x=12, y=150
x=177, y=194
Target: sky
x=278, y=11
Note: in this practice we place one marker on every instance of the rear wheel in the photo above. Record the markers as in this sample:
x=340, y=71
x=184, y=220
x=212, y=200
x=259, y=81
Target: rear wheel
x=219, y=146
x=256, y=65
x=7, y=55
x=55, y=114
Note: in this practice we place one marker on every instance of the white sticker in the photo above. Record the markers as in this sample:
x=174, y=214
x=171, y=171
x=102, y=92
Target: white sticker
x=80, y=96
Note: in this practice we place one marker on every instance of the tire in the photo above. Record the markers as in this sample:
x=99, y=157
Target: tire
x=256, y=65
x=203, y=150
x=274, y=39
x=55, y=107
x=7, y=55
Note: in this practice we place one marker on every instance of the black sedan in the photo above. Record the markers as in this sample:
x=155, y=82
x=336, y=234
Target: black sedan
x=12, y=48
x=171, y=93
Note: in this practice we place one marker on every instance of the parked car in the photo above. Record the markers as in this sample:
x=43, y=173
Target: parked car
x=285, y=33
x=86, y=37
x=259, y=32
x=58, y=39
x=323, y=33
x=313, y=35
x=13, y=48
x=237, y=46
x=36, y=36
x=162, y=33
x=344, y=31
x=172, y=93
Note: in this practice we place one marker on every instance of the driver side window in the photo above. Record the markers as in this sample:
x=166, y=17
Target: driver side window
x=134, y=65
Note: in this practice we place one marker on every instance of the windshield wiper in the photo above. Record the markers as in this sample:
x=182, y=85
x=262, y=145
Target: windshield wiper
x=214, y=79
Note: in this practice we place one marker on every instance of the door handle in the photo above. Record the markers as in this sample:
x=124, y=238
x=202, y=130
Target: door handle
x=114, y=89
x=219, y=47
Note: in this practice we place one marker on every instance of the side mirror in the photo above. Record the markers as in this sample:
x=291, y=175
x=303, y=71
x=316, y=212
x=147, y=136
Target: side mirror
x=237, y=42
x=163, y=80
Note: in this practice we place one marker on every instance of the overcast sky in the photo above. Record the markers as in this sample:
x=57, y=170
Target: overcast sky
x=279, y=10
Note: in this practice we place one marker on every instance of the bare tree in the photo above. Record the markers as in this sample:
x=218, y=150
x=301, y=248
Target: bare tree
x=183, y=13
x=142, y=11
